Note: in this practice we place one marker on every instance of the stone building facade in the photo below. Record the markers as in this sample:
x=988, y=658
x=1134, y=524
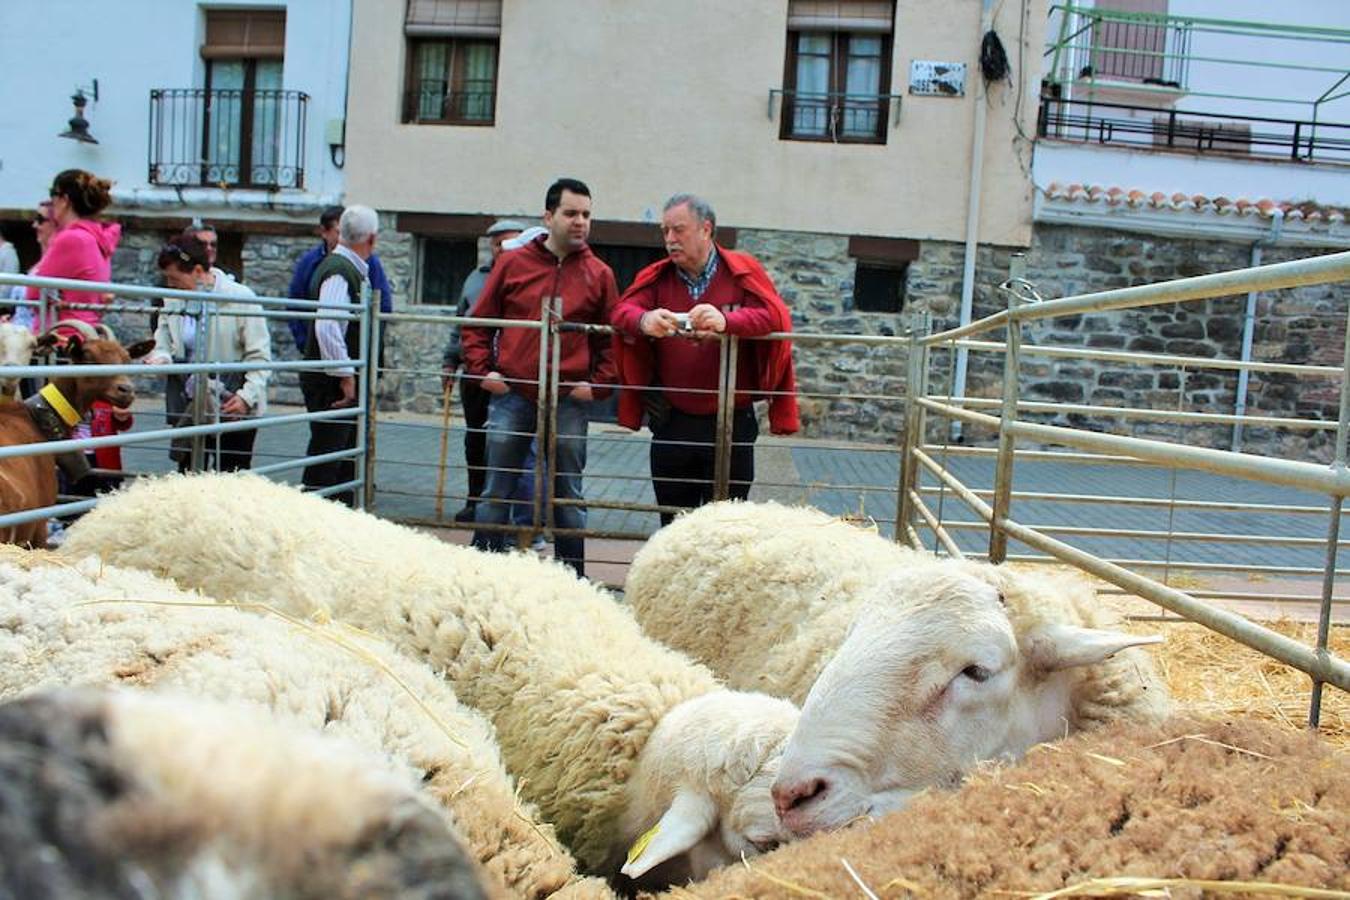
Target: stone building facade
x=855, y=391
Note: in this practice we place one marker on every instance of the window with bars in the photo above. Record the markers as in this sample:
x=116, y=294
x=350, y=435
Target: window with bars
x=246, y=116
x=837, y=75
x=452, y=61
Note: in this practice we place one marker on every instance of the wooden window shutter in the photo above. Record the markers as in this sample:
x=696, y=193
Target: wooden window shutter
x=841, y=15
x=454, y=18
x=245, y=33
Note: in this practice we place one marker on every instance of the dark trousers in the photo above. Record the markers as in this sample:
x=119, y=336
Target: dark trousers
x=684, y=454
x=475, y=402
x=236, y=451
x=321, y=392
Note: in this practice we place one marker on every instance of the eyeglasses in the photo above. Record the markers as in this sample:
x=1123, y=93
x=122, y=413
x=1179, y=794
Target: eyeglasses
x=39, y=221
x=208, y=243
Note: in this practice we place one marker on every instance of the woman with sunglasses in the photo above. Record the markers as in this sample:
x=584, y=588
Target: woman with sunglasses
x=82, y=247
x=43, y=229
x=237, y=333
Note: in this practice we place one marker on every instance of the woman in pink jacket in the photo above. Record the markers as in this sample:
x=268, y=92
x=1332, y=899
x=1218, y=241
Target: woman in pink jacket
x=82, y=247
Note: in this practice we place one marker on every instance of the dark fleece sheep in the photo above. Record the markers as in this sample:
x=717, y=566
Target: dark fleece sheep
x=1230, y=801
x=127, y=795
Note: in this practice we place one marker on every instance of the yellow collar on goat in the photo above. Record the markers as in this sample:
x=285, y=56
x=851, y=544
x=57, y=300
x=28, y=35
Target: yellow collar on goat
x=52, y=394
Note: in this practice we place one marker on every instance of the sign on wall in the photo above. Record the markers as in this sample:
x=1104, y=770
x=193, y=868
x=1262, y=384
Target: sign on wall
x=937, y=79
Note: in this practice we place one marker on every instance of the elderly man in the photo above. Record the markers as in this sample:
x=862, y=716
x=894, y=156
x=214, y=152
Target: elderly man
x=471, y=395
x=667, y=353
x=341, y=281
x=304, y=271
x=558, y=266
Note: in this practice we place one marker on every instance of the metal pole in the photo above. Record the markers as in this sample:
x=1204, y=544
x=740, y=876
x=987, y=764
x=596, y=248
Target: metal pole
x=973, y=216
x=904, y=502
x=544, y=449
x=726, y=409
x=1007, y=442
x=1333, y=540
x=549, y=454
x=199, y=382
x=366, y=420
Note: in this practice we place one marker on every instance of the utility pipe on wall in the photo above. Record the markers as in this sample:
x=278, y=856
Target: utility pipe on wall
x=973, y=216
x=1249, y=325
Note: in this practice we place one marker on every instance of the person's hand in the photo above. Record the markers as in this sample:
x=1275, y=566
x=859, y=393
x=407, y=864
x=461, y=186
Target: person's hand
x=707, y=319
x=447, y=377
x=121, y=415
x=495, y=384
x=348, y=385
x=583, y=393
x=154, y=359
x=658, y=323
x=235, y=407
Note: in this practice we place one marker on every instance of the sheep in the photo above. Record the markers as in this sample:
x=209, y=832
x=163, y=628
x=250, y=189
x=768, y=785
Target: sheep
x=575, y=691
x=123, y=794
x=1225, y=801
x=910, y=669
x=18, y=345
x=90, y=623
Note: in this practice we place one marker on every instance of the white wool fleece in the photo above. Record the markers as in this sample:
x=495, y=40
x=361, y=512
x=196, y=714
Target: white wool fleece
x=572, y=686
x=90, y=623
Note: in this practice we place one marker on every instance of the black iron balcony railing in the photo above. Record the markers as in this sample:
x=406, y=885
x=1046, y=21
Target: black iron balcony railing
x=1151, y=128
x=835, y=116
x=229, y=138
x=433, y=106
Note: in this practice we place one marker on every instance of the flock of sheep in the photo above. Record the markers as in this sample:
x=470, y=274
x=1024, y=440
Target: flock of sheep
x=375, y=713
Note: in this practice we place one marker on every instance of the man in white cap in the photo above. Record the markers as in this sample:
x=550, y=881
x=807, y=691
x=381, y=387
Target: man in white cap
x=471, y=395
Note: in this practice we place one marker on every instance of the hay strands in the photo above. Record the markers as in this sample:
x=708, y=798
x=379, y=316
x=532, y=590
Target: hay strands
x=1158, y=887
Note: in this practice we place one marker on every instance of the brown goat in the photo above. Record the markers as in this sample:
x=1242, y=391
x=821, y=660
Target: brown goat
x=29, y=482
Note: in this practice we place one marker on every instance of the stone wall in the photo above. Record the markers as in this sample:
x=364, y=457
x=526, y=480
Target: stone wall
x=855, y=391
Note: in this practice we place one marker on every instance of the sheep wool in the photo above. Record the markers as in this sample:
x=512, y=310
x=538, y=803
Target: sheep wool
x=123, y=794
x=1235, y=801
x=788, y=581
x=89, y=623
x=761, y=593
x=571, y=685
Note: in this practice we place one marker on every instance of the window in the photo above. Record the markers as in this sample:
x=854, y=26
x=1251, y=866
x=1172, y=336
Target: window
x=627, y=260
x=446, y=262
x=452, y=61
x=880, y=287
x=246, y=115
x=881, y=272
x=837, y=76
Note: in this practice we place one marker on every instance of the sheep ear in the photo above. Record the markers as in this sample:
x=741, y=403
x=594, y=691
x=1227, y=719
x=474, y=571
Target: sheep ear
x=690, y=818
x=1056, y=647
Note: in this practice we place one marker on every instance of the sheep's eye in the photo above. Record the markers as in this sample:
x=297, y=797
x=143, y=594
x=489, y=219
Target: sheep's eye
x=763, y=846
x=977, y=673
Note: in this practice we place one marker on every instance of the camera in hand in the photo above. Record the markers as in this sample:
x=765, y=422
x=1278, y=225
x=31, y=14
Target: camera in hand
x=683, y=320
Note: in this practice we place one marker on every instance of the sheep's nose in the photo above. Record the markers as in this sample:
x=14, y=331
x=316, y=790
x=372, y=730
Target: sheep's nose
x=795, y=795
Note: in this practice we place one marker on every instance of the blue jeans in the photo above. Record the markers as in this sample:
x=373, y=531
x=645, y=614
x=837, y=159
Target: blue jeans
x=510, y=429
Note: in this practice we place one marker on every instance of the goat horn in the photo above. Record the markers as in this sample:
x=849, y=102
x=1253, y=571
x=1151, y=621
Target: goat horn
x=105, y=332
x=84, y=328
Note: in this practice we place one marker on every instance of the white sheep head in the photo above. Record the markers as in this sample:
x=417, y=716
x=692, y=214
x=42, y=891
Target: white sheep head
x=932, y=678
x=17, y=346
x=699, y=797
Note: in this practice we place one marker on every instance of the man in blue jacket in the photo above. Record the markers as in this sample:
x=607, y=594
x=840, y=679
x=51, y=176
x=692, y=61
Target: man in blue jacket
x=304, y=270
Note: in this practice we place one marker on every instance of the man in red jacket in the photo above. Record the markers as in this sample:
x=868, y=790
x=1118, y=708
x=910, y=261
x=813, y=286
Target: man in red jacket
x=557, y=266
x=665, y=321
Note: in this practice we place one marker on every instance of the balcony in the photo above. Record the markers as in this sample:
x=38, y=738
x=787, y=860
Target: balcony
x=839, y=117
x=1149, y=128
x=228, y=138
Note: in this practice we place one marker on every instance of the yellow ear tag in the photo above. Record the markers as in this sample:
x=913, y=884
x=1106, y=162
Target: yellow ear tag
x=641, y=843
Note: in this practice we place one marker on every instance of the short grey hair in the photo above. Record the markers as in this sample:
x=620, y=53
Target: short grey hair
x=701, y=208
x=357, y=224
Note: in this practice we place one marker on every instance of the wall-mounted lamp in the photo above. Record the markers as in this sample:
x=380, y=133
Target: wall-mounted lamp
x=79, y=125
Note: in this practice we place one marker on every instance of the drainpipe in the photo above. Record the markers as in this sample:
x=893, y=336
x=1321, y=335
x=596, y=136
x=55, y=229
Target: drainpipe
x=972, y=218
x=1249, y=323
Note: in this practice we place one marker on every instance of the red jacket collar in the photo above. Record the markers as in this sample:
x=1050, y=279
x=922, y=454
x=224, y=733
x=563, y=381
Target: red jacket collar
x=773, y=359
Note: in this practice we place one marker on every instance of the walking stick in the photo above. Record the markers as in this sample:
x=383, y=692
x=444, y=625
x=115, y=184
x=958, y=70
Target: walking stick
x=445, y=445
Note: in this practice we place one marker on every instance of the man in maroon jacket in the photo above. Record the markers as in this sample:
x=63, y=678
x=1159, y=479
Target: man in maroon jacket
x=558, y=264
x=665, y=322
